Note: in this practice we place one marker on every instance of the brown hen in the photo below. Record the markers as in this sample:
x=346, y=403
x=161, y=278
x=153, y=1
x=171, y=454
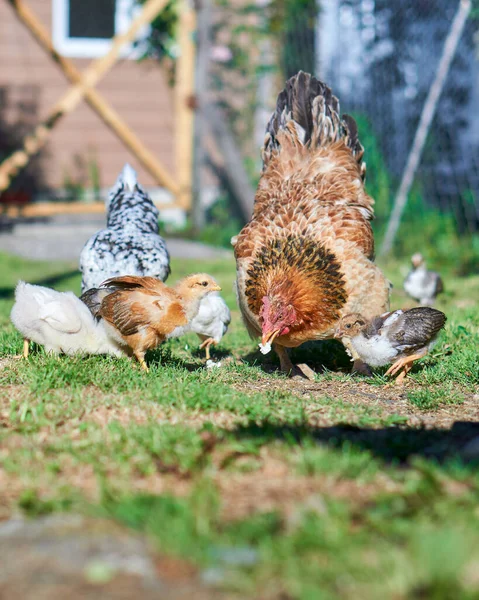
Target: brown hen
x=305, y=259
x=142, y=312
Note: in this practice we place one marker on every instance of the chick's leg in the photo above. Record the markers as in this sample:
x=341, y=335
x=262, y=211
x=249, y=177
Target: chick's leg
x=206, y=345
x=140, y=355
x=404, y=363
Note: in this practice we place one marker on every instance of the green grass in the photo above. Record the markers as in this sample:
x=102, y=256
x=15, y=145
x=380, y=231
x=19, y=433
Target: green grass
x=338, y=488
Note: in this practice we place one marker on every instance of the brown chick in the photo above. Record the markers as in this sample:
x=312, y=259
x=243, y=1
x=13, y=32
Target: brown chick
x=142, y=312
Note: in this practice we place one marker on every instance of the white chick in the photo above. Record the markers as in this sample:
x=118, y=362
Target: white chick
x=59, y=321
x=211, y=322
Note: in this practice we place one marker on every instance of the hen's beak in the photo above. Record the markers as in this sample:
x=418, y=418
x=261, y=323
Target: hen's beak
x=269, y=337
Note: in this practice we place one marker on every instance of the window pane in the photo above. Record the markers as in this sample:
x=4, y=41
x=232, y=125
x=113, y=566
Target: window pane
x=92, y=19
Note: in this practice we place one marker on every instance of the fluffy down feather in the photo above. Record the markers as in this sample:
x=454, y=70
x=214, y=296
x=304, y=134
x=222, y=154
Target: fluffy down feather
x=305, y=259
x=59, y=321
x=130, y=244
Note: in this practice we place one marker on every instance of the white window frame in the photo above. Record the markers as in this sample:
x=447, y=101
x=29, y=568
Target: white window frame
x=89, y=47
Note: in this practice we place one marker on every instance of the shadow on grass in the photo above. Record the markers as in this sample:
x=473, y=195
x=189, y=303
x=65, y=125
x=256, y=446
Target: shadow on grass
x=321, y=356
x=391, y=444
x=164, y=356
x=216, y=353
x=51, y=281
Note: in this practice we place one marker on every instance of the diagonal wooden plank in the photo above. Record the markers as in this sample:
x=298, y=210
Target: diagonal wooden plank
x=109, y=116
x=70, y=100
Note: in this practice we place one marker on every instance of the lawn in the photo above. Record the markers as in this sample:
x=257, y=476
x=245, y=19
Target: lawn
x=272, y=488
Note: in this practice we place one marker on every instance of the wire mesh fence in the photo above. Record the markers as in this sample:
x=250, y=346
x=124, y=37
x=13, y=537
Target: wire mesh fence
x=380, y=57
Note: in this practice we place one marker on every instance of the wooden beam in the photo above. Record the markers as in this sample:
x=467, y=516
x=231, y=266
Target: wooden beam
x=74, y=95
x=108, y=115
x=51, y=209
x=185, y=101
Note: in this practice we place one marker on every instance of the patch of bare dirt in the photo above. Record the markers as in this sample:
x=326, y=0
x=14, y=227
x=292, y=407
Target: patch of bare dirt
x=383, y=400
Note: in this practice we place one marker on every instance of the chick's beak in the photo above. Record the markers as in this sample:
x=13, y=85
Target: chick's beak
x=216, y=288
x=269, y=337
x=338, y=334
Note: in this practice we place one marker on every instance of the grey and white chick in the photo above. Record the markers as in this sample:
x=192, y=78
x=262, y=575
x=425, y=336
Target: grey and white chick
x=59, y=321
x=131, y=243
x=211, y=322
x=422, y=285
x=398, y=337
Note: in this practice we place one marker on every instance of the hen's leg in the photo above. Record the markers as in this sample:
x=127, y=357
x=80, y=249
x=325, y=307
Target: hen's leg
x=206, y=345
x=288, y=367
x=26, y=347
x=285, y=362
x=140, y=355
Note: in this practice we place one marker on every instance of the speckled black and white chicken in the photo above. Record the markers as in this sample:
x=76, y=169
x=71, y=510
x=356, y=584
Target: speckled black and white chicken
x=59, y=321
x=422, y=285
x=398, y=337
x=211, y=322
x=130, y=244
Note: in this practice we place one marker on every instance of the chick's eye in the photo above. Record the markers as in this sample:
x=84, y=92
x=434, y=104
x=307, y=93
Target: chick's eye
x=204, y=283
x=348, y=326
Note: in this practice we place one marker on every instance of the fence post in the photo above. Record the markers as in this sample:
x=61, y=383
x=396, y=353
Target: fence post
x=203, y=24
x=184, y=102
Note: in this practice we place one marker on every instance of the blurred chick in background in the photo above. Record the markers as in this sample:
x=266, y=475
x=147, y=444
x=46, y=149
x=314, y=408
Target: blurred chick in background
x=142, y=312
x=422, y=285
x=130, y=244
x=211, y=322
x=59, y=321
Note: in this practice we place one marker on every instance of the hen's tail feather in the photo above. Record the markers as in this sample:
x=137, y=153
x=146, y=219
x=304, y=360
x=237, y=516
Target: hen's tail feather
x=311, y=107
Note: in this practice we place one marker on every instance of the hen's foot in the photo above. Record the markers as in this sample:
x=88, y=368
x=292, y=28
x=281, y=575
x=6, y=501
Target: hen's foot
x=26, y=348
x=304, y=371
